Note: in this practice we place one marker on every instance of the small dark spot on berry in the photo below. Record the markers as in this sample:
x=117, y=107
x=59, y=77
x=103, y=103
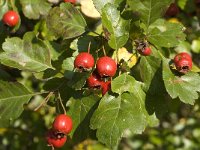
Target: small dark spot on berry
x=186, y=68
x=97, y=87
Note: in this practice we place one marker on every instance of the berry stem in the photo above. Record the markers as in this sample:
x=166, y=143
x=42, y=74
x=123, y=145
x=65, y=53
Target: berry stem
x=52, y=148
x=96, y=33
x=117, y=56
x=61, y=103
x=89, y=47
x=104, y=52
x=46, y=99
x=131, y=56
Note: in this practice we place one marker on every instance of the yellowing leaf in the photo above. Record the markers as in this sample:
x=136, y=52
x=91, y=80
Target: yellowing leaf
x=87, y=7
x=128, y=57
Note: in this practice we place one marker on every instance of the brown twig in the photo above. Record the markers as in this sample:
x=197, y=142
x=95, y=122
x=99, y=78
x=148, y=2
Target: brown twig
x=44, y=101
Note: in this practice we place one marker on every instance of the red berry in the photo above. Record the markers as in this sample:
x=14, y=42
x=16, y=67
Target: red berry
x=184, y=65
x=173, y=10
x=106, y=66
x=94, y=81
x=183, y=62
x=84, y=61
x=106, y=86
x=11, y=18
x=56, y=140
x=182, y=55
x=70, y=1
x=145, y=51
x=63, y=124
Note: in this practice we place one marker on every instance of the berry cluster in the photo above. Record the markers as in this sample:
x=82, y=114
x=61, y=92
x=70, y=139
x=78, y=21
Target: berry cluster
x=183, y=62
x=57, y=135
x=106, y=67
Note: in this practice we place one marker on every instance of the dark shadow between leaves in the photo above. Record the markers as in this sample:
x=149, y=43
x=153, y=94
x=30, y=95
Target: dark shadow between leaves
x=156, y=96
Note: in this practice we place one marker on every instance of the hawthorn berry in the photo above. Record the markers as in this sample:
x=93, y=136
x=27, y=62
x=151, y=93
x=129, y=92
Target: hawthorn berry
x=182, y=55
x=84, y=61
x=106, y=67
x=63, y=124
x=55, y=139
x=183, y=62
x=11, y=18
x=143, y=47
x=184, y=65
x=172, y=10
x=145, y=51
x=70, y=1
x=94, y=81
x=106, y=86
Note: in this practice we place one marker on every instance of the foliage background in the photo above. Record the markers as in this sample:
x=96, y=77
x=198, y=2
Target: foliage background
x=179, y=127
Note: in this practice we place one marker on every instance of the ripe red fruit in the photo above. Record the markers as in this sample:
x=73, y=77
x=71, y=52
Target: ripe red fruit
x=63, y=124
x=94, y=81
x=84, y=61
x=182, y=55
x=184, y=65
x=54, y=139
x=106, y=67
x=145, y=51
x=183, y=62
x=173, y=10
x=70, y=1
x=106, y=86
x=11, y=18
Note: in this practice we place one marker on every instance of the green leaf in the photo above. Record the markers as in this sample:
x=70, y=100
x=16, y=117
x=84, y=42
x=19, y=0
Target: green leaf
x=120, y=116
x=117, y=27
x=182, y=3
x=99, y=4
x=151, y=74
x=123, y=83
x=81, y=110
x=41, y=29
x=186, y=87
x=56, y=49
x=12, y=98
x=66, y=21
x=166, y=34
x=33, y=9
x=68, y=66
x=30, y=54
x=149, y=10
x=81, y=44
x=196, y=46
x=3, y=8
x=78, y=80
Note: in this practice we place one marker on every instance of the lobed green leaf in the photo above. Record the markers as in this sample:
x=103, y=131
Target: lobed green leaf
x=186, y=87
x=149, y=10
x=66, y=21
x=115, y=25
x=121, y=115
x=12, y=98
x=29, y=53
x=33, y=9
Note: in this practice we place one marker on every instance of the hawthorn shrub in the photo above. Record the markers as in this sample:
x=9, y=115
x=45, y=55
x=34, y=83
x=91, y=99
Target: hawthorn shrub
x=116, y=68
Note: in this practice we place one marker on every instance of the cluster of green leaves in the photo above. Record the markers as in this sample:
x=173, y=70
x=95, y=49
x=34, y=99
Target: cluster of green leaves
x=138, y=96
